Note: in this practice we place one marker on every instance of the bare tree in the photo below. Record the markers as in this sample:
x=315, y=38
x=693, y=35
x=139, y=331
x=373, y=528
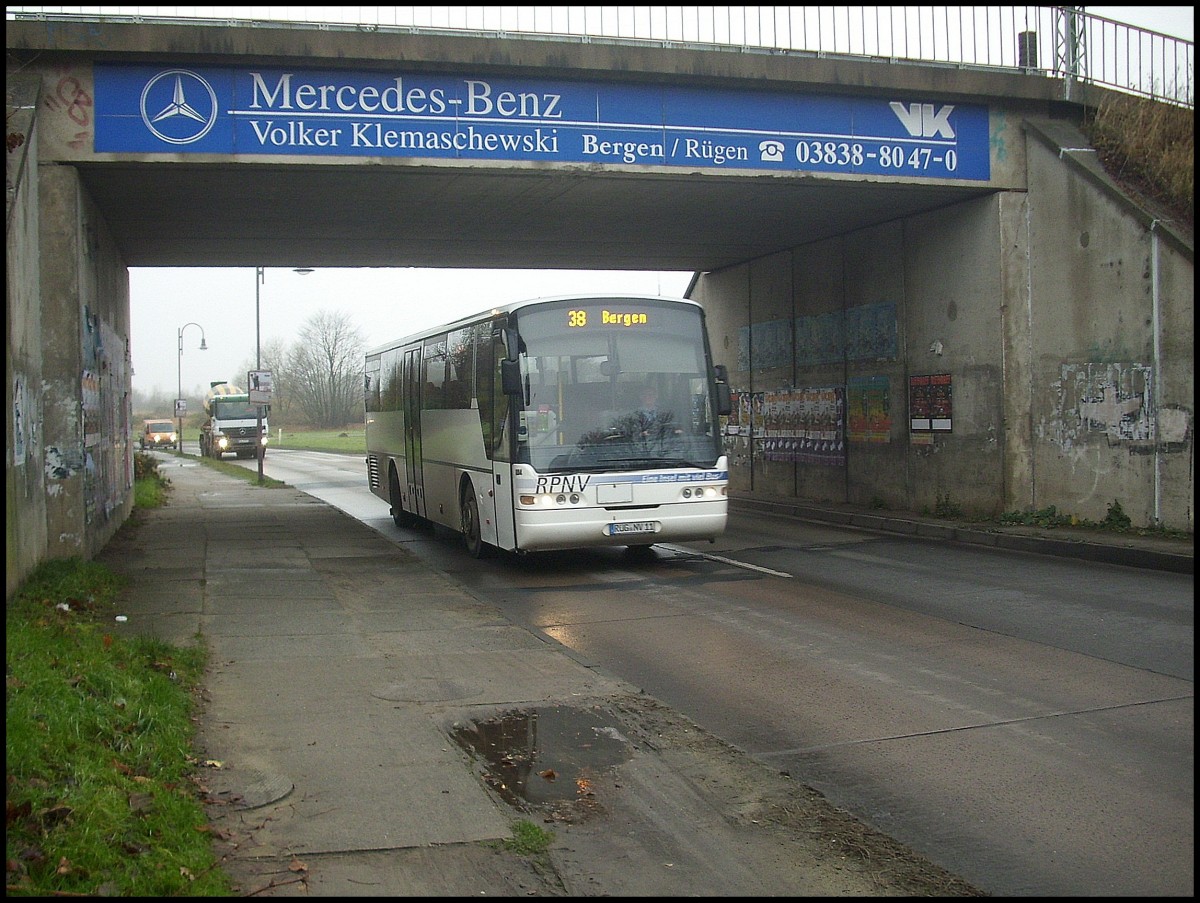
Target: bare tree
x=322, y=373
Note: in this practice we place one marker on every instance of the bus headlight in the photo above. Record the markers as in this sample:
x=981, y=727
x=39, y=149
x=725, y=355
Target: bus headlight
x=546, y=500
x=264, y=440
x=223, y=442
x=702, y=492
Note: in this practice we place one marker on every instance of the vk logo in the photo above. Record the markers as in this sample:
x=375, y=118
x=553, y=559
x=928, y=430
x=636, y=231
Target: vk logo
x=178, y=106
x=922, y=121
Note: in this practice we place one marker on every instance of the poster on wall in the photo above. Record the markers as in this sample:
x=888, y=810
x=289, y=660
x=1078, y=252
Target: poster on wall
x=868, y=405
x=737, y=421
x=804, y=426
x=930, y=408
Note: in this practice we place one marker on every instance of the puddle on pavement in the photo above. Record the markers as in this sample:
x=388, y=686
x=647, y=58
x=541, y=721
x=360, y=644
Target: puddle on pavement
x=544, y=756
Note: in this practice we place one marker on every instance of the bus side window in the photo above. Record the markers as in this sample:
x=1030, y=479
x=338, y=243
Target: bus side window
x=434, y=365
x=371, y=384
x=493, y=403
x=461, y=377
x=390, y=393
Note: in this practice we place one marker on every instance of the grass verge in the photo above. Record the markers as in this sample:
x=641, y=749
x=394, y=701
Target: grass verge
x=350, y=440
x=101, y=798
x=236, y=470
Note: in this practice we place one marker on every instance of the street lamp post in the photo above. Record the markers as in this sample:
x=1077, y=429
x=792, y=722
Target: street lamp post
x=259, y=278
x=179, y=378
x=260, y=449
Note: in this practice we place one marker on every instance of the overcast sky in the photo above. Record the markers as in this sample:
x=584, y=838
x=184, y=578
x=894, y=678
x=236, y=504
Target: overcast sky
x=383, y=303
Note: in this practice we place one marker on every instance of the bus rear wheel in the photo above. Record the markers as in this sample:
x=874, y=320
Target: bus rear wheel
x=471, y=527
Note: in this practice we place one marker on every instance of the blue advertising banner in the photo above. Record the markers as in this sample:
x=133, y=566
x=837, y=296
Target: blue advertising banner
x=147, y=109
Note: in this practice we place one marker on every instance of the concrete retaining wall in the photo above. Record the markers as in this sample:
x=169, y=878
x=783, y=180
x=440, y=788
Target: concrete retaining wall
x=1054, y=327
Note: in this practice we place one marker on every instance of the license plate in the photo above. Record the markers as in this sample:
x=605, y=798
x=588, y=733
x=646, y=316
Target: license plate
x=641, y=526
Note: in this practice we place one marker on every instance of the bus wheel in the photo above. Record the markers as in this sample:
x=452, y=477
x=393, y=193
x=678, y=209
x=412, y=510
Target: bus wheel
x=400, y=517
x=472, y=531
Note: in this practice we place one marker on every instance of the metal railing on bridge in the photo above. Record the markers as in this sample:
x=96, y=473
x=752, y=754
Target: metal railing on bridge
x=1060, y=42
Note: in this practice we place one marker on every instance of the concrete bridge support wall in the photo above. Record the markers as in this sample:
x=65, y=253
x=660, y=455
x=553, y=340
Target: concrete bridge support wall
x=25, y=541
x=836, y=329
x=86, y=358
x=1112, y=343
x=1055, y=327
x=69, y=465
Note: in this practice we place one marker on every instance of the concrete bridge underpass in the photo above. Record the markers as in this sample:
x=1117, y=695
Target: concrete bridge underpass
x=843, y=216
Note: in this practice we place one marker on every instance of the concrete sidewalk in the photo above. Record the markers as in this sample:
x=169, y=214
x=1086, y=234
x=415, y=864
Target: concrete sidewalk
x=342, y=671
x=1130, y=549
x=334, y=656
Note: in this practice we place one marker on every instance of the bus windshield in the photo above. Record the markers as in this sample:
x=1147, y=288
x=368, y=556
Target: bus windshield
x=614, y=385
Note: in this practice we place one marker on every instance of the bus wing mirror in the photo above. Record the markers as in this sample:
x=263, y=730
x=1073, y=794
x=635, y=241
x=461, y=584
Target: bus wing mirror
x=510, y=377
x=512, y=343
x=724, y=397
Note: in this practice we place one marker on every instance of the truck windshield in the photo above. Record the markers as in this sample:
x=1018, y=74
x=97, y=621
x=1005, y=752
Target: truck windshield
x=608, y=386
x=236, y=410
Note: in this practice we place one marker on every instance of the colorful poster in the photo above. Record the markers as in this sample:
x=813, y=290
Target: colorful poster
x=868, y=402
x=929, y=403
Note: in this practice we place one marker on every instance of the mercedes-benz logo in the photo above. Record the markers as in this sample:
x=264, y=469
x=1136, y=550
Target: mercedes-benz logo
x=178, y=106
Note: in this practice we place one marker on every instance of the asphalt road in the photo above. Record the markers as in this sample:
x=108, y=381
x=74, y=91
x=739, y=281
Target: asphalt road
x=1024, y=721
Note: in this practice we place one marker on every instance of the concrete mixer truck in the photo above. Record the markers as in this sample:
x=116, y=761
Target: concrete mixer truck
x=231, y=423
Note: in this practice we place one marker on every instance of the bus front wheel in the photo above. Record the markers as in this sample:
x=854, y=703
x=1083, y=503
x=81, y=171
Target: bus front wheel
x=400, y=517
x=471, y=528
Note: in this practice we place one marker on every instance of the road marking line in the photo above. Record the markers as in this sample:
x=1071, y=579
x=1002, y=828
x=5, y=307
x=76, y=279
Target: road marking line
x=724, y=560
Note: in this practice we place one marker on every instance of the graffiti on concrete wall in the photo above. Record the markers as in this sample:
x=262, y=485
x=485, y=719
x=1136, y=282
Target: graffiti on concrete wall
x=1110, y=400
x=62, y=464
x=20, y=419
x=89, y=392
x=109, y=457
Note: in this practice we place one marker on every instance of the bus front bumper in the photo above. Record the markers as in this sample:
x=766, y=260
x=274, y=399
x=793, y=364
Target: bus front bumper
x=541, y=531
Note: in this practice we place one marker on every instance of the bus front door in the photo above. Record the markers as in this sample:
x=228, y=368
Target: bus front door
x=502, y=483
x=412, y=430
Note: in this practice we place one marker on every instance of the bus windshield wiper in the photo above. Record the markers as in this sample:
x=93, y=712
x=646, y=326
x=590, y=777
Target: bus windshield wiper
x=653, y=463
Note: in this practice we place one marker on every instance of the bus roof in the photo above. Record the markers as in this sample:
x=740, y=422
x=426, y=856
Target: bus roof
x=512, y=306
